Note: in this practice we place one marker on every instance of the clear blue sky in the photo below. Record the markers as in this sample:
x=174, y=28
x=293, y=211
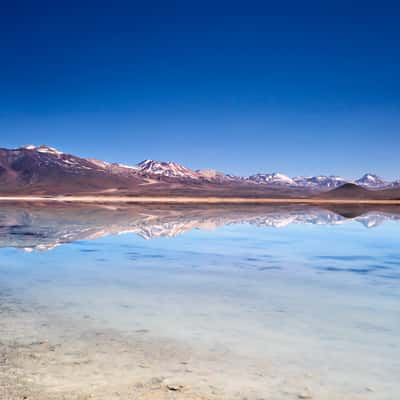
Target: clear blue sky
x=317, y=91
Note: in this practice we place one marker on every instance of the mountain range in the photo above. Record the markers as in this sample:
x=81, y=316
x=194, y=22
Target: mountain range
x=44, y=170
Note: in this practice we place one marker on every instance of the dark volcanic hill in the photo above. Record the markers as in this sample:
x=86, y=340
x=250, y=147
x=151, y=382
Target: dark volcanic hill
x=350, y=191
x=355, y=192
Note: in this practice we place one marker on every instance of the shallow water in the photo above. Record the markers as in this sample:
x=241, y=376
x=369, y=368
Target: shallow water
x=225, y=302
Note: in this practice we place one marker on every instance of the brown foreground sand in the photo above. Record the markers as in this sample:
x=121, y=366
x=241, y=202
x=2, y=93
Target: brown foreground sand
x=192, y=200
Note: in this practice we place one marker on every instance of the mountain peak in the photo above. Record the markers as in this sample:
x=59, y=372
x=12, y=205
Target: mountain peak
x=370, y=177
x=166, y=168
x=371, y=180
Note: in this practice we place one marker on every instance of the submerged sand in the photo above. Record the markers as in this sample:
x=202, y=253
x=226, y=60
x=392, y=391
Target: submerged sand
x=45, y=357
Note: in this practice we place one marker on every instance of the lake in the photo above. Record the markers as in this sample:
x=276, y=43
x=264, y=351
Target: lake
x=195, y=302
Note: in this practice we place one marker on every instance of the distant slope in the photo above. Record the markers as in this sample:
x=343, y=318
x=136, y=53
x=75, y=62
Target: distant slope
x=393, y=193
x=46, y=171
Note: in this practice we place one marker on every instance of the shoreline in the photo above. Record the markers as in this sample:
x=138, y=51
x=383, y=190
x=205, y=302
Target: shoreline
x=191, y=200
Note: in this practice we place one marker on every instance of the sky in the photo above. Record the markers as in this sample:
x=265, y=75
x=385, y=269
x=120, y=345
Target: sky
x=239, y=89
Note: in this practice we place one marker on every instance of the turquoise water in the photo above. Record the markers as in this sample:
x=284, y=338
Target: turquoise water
x=314, y=303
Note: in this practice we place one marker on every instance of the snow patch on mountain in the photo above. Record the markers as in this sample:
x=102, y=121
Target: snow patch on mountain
x=43, y=149
x=275, y=178
x=99, y=163
x=132, y=167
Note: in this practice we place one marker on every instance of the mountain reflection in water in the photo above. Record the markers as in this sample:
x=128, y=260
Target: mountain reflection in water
x=43, y=227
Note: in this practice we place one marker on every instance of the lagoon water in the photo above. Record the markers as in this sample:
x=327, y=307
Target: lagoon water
x=131, y=302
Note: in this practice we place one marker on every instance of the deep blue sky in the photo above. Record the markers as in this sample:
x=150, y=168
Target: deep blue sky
x=317, y=91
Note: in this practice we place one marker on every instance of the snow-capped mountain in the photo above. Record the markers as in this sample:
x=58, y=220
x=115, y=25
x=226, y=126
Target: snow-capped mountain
x=167, y=169
x=320, y=182
x=174, y=170
x=371, y=181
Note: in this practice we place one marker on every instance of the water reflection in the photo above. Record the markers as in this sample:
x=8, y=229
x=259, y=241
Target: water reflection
x=43, y=227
